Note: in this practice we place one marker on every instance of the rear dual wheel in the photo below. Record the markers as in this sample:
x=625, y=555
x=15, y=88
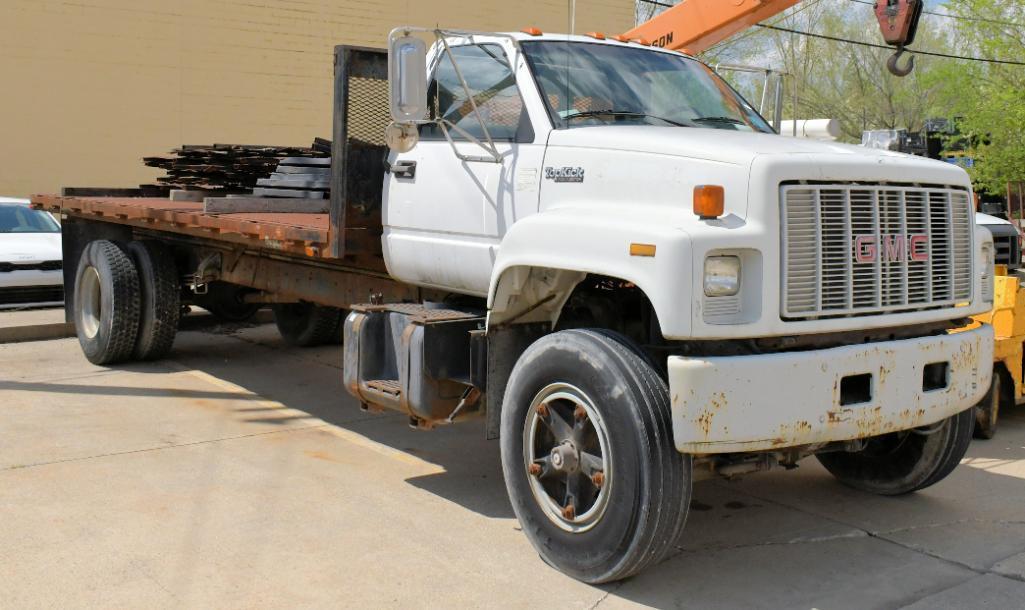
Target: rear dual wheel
x=125, y=301
x=588, y=458
x=107, y=303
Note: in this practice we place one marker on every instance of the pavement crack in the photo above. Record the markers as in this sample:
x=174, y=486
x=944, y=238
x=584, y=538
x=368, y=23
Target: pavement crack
x=854, y=533
x=162, y=447
x=612, y=589
x=922, y=526
x=882, y=535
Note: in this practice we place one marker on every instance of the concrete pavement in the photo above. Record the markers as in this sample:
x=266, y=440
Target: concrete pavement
x=240, y=474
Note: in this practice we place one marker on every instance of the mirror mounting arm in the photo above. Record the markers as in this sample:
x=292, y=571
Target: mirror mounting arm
x=490, y=147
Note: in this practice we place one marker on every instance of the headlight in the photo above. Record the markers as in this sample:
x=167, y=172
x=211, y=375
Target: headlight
x=988, y=258
x=722, y=276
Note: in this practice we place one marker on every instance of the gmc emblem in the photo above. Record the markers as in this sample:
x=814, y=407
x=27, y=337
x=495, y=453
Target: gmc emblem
x=895, y=248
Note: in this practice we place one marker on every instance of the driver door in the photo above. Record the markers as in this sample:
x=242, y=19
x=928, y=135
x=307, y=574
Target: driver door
x=444, y=217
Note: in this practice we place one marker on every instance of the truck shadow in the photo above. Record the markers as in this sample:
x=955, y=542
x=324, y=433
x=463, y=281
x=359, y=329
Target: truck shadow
x=310, y=380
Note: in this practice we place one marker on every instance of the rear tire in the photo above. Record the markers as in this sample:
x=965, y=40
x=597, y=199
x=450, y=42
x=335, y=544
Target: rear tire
x=160, y=305
x=615, y=417
x=307, y=325
x=903, y=462
x=988, y=410
x=106, y=303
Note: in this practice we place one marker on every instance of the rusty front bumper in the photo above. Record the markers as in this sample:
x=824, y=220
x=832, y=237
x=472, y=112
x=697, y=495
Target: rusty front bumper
x=772, y=401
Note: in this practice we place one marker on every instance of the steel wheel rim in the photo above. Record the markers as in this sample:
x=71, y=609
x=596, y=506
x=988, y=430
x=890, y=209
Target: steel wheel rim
x=549, y=462
x=90, y=302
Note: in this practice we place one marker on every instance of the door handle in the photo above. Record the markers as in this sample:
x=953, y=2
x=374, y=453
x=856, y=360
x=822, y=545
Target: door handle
x=403, y=169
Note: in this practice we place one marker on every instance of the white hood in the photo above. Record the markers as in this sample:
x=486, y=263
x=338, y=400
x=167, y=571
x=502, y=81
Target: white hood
x=24, y=248
x=721, y=145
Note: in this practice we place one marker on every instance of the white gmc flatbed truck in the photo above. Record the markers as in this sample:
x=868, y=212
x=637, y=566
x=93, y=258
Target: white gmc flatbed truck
x=603, y=252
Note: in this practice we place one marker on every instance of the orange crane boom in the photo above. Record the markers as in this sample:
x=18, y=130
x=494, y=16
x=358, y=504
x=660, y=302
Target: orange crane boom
x=694, y=26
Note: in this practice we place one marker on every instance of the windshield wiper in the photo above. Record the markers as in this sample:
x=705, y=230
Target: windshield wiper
x=719, y=119
x=630, y=113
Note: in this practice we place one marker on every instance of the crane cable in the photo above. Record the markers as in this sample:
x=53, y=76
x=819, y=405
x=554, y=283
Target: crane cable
x=868, y=44
x=882, y=46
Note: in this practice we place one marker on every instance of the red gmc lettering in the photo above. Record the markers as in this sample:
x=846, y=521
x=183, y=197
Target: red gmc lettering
x=894, y=248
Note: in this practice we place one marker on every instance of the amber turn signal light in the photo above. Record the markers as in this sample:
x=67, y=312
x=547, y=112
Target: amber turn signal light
x=709, y=201
x=642, y=249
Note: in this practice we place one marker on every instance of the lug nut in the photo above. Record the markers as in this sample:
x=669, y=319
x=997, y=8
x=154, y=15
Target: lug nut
x=534, y=469
x=598, y=478
x=542, y=410
x=569, y=511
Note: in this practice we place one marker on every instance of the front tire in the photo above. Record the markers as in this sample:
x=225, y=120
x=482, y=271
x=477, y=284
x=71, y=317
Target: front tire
x=106, y=303
x=588, y=456
x=902, y=462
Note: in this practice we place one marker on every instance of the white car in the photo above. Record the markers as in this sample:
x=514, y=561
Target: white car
x=31, y=268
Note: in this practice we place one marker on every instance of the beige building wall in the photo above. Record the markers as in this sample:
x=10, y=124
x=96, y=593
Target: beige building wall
x=88, y=88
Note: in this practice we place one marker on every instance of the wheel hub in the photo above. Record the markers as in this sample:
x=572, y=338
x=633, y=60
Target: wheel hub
x=90, y=302
x=566, y=457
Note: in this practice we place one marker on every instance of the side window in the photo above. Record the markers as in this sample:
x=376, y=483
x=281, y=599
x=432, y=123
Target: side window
x=493, y=86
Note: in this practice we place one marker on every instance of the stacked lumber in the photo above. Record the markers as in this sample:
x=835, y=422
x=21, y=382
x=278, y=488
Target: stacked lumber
x=298, y=178
x=227, y=168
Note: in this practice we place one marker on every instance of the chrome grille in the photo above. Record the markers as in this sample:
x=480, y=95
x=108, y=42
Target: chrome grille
x=860, y=249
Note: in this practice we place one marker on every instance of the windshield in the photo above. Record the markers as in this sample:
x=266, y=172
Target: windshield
x=593, y=84
x=23, y=219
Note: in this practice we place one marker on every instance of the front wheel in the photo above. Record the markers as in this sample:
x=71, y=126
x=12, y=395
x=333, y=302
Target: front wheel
x=903, y=462
x=588, y=457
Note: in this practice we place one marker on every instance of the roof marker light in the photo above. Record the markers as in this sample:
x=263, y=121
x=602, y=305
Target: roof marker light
x=532, y=31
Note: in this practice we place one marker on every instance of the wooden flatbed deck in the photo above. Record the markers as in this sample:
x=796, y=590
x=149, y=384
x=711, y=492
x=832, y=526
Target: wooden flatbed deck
x=302, y=234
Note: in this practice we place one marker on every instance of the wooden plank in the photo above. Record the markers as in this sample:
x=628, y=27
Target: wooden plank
x=183, y=195
x=90, y=191
x=236, y=205
x=287, y=193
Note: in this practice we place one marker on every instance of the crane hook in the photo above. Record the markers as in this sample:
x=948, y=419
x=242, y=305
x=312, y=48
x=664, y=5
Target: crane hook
x=891, y=64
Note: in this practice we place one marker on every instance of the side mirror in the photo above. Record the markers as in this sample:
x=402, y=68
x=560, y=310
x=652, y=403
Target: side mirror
x=407, y=78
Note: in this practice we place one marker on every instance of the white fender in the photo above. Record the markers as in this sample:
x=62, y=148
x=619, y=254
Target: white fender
x=570, y=242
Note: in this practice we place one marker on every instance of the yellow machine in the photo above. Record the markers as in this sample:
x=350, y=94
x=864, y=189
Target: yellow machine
x=1008, y=320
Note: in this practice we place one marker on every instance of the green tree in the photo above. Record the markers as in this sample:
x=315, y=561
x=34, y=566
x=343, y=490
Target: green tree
x=843, y=81
x=988, y=98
